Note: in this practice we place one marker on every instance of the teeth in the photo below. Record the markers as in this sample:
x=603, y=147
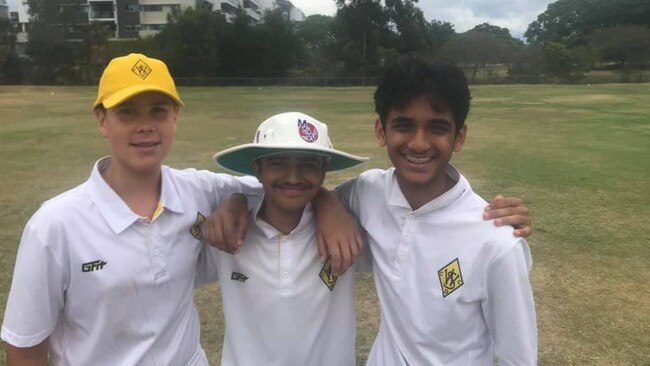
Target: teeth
x=418, y=160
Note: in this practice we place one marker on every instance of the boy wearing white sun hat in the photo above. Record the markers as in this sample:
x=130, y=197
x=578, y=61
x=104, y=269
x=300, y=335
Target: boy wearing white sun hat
x=282, y=306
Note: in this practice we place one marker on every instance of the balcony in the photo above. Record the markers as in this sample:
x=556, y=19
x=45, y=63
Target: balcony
x=253, y=14
x=229, y=5
x=251, y=4
x=101, y=10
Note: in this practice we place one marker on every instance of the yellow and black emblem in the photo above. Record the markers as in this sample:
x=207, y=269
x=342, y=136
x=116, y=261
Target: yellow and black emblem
x=327, y=276
x=195, y=230
x=450, y=277
x=141, y=69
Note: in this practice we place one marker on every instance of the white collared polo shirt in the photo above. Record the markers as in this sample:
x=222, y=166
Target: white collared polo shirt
x=453, y=288
x=109, y=287
x=282, y=306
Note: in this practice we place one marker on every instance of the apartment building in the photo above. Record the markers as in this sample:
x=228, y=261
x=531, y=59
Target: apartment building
x=290, y=11
x=142, y=18
x=4, y=9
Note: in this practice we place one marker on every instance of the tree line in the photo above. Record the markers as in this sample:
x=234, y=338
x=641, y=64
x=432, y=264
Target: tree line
x=365, y=36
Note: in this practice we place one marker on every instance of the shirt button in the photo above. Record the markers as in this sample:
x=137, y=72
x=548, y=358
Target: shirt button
x=407, y=235
x=286, y=274
x=156, y=252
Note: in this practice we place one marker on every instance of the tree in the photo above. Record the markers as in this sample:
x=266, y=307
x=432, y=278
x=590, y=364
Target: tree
x=496, y=32
x=625, y=45
x=476, y=50
x=60, y=41
x=528, y=64
x=570, y=21
x=270, y=48
x=280, y=46
x=317, y=35
x=316, y=31
x=440, y=32
x=408, y=21
x=565, y=63
x=482, y=45
x=53, y=57
x=361, y=26
x=190, y=43
x=492, y=30
x=10, y=70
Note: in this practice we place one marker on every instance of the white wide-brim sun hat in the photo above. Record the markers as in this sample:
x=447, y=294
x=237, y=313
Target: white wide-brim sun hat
x=282, y=133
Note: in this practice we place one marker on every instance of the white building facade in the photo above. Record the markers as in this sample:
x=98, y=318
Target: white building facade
x=4, y=9
x=130, y=19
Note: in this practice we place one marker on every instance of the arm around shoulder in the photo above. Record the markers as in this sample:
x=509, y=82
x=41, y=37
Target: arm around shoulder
x=28, y=356
x=337, y=232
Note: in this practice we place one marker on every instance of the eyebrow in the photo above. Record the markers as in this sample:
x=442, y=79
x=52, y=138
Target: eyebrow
x=302, y=159
x=402, y=119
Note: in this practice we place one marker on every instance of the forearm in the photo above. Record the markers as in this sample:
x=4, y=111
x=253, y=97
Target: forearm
x=337, y=231
x=28, y=356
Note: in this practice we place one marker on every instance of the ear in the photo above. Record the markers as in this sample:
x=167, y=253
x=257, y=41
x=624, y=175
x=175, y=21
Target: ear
x=324, y=172
x=257, y=169
x=100, y=115
x=380, y=134
x=460, y=139
x=177, y=110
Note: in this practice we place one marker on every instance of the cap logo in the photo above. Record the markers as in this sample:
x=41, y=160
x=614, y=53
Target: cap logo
x=307, y=131
x=141, y=69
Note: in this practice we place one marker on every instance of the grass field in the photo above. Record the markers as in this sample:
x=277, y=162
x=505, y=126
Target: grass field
x=578, y=155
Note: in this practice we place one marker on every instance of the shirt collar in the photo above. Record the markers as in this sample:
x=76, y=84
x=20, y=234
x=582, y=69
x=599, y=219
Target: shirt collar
x=271, y=232
x=396, y=197
x=111, y=206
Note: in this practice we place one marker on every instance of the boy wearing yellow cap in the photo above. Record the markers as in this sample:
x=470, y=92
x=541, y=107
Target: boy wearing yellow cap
x=105, y=272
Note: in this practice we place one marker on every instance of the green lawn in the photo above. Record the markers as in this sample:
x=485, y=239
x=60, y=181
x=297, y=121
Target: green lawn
x=578, y=155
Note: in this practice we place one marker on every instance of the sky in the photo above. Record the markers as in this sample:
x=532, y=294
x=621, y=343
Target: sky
x=463, y=14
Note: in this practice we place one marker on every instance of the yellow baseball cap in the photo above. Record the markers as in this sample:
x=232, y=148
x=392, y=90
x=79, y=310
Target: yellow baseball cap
x=129, y=75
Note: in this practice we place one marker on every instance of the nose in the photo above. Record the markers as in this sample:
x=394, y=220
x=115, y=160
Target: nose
x=293, y=173
x=146, y=124
x=419, y=142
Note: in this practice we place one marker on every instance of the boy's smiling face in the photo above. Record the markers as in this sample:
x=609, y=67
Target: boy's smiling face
x=140, y=131
x=290, y=180
x=420, y=140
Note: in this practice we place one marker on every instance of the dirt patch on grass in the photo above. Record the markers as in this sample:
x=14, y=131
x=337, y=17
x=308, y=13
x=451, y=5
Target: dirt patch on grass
x=491, y=100
x=589, y=98
x=12, y=101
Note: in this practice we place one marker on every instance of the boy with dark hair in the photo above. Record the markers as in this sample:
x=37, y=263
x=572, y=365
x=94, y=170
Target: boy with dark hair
x=453, y=289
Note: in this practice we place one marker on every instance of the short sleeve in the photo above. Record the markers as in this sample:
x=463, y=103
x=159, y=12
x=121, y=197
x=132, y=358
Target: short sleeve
x=36, y=298
x=207, y=267
x=223, y=186
x=347, y=193
x=509, y=309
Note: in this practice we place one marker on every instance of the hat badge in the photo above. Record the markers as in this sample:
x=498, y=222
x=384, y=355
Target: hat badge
x=141, y=69
x=307, y=131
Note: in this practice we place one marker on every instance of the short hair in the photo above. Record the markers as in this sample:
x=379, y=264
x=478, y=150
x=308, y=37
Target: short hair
x=443, y=84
